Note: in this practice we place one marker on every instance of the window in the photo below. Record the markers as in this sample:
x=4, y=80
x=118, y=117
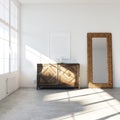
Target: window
x=14, y=15
x=13, y=50
x=4, y=10
x=14, y=36
x=8, y=36
x=4, y=36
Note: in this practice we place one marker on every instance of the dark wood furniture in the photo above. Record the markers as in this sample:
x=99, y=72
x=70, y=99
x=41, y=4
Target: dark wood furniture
x=61, y=75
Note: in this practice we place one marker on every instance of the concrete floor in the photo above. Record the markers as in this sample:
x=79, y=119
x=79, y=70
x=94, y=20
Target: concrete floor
x=83, y=104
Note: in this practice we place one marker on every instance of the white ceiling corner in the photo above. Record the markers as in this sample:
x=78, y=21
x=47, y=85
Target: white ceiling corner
x=69, y=1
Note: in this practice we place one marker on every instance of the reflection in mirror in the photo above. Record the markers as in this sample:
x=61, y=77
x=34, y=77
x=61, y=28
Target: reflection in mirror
x=99, y=56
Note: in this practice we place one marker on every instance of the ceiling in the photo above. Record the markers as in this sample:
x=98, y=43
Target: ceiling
x=69, y=1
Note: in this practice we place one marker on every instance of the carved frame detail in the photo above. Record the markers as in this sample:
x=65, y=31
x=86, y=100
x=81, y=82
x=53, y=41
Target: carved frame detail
x=109, y=60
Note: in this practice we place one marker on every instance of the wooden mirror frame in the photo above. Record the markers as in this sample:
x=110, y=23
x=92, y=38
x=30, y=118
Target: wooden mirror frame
x=108, y=37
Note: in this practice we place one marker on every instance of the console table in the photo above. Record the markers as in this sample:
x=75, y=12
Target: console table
x=60, y=75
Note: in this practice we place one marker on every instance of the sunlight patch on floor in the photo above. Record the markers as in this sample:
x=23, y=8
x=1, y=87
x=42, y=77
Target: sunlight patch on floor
x=96, y=114
x=56, y=96
x=98, y=104
x=48, y=104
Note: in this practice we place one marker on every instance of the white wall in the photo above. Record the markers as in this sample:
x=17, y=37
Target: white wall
x=39, y=20
x=8, y=84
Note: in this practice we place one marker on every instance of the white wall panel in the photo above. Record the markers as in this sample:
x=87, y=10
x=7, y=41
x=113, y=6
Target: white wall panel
x=8, y=84
x=39, y=20
x=59, y=45
x=3, y=89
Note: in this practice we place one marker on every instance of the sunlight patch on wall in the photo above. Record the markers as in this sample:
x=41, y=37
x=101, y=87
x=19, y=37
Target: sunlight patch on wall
x=35, y=57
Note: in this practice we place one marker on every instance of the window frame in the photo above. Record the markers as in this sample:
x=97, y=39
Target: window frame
x=17, y=30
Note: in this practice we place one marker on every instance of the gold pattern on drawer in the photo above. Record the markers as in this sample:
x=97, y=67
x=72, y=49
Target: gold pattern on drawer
x=61, y=74
x=48, y=74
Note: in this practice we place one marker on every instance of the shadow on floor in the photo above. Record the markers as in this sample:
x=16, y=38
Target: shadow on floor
x=88, y=104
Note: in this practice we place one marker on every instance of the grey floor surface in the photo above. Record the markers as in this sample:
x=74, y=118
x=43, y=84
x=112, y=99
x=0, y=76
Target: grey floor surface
x=82, y=104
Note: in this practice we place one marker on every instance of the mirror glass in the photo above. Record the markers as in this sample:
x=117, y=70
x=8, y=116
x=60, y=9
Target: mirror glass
x=99, y=58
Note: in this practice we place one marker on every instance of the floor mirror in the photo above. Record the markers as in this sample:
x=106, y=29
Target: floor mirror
x=99, y=50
